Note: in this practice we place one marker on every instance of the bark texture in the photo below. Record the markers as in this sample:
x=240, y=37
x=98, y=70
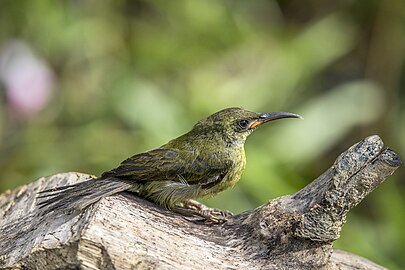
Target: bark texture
x=126, y=232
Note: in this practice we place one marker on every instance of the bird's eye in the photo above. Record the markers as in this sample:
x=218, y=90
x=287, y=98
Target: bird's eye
x=243, y=123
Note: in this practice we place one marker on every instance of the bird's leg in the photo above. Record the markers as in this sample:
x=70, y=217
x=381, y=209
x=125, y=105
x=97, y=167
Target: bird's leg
x=192, y=207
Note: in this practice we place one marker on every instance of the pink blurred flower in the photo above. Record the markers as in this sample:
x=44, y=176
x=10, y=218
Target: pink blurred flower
x=27, y=79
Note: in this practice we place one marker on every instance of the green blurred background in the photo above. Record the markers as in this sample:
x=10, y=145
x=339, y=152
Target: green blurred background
x=85, y=84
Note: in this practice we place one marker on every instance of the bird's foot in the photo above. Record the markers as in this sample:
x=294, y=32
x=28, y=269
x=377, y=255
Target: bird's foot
x=194, y=208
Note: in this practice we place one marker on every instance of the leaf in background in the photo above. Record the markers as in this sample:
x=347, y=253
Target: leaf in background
x=327, y=118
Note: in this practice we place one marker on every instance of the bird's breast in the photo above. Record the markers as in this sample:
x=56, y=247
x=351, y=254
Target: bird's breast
x=236, y=171
x=232, y=176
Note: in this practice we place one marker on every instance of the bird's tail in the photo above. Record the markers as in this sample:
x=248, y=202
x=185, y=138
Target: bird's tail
x=78, y=196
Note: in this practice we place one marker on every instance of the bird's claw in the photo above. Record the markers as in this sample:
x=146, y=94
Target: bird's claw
x=213, y=215
x=216, y=215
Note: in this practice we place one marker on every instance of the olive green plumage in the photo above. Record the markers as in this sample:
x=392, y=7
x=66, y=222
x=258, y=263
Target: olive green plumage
x=208, y=159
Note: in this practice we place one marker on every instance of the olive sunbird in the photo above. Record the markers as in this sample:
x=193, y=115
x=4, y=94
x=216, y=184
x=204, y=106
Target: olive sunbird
x=203, y=162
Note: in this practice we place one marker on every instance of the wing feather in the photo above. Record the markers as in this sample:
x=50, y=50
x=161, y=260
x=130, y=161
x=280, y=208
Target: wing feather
x=171, y=164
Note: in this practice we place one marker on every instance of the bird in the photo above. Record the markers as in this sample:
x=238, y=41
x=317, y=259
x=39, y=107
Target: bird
x=200, y=163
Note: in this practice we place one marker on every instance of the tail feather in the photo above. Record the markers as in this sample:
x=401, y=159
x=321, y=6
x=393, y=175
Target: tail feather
x=80, y=195
x=61, y=187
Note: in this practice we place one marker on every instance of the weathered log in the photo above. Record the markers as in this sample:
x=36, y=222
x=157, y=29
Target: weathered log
x=126, y=232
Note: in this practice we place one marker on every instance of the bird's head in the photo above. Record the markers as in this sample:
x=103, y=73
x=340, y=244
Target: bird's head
x=234, y=125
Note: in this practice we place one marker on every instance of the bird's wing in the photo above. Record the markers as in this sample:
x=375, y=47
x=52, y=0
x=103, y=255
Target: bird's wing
x=172, y=164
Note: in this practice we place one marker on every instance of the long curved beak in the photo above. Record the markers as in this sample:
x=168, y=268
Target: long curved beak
x=266, y=117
